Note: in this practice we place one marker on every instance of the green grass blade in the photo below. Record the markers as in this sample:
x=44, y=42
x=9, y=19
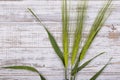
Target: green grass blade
x=65, y=24
x=75, y=70
x=79, y=28
x=99, y=72
x=99, y=21
x=26, y=68
x=52, y=39
x=56, y=47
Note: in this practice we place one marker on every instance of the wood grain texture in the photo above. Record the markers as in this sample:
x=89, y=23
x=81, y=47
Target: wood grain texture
x=24, y=42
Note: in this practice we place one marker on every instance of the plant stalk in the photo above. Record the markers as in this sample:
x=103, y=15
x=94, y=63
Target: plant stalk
x=73, y=77
x=66, y=76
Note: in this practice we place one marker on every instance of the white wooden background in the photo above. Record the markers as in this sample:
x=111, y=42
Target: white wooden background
x=24, y=42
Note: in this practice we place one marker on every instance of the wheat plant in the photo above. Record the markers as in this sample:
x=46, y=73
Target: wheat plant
x=76, y=56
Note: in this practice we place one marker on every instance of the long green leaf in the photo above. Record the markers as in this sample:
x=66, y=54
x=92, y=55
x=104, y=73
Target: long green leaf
x=52, y=39
x=75, y=70
x=99, y=21
x=56, y=47
x=65, y=24
x=26, y=68
x=99, y=72
x=79, y=28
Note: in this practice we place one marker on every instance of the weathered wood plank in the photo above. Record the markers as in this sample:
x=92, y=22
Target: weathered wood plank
x=30, y=35
x=24, y=42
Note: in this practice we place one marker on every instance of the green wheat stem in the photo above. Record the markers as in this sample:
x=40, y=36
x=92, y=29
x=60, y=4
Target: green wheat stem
x=79, y=29
x=65, y=24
